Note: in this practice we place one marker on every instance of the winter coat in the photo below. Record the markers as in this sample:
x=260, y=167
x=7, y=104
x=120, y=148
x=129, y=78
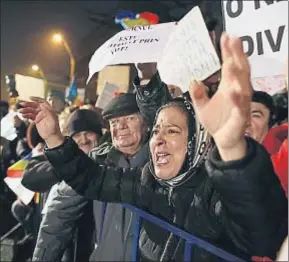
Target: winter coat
x=39, y=177
x=238, y=206
x=39, y=169
x=113, y=222
x=202, y=206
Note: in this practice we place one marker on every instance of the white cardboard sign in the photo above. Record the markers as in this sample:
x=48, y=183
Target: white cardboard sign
x=140, y=44
x=106, y=95
x=24, y=194
x=189, y=54
x=263, y=27
x=183, y=51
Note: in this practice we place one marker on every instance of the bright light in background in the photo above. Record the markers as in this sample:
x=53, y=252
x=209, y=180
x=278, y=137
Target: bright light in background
x=57, y=38
x=7, y=80
x=35, y=68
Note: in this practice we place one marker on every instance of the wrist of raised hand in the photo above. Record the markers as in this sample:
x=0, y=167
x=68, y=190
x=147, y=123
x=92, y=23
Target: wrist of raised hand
x=55, y=140
x=237, y=152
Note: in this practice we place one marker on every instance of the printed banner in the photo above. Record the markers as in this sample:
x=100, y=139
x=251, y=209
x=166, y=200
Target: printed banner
x=263, y=27
x=140, y=44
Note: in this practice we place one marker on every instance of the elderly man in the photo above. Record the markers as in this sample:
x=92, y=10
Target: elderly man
x=114, y=223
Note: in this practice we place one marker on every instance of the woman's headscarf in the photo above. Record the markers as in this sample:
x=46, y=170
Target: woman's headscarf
x=197, y=147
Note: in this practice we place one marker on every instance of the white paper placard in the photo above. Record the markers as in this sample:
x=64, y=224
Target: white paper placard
x=263, y=27
x=189, y=54
x=8, y=130
x=106, y=95
x=140, y=44
x=183, y=51
x=24, y=194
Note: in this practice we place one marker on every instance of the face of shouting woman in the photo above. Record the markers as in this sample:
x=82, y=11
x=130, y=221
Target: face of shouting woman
x=168, y=144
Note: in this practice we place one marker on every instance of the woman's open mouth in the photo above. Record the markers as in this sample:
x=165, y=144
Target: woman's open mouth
x=162, y=158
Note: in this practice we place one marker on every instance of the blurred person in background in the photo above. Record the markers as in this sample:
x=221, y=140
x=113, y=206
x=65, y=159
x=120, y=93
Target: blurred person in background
x=16, y=149
x=56, y=99
x=4, y=108
x=24, y=213
x=281, y=103
x=259, y=127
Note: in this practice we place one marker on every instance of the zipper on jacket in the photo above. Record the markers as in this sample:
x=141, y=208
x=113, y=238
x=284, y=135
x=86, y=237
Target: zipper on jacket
x=170, y=195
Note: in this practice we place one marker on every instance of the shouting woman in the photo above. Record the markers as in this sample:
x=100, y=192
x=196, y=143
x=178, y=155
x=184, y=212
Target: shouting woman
x=234, y=200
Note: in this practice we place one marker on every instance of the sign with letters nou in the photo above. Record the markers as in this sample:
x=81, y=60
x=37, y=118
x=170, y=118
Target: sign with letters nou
x=263, y=27
x=184, y=50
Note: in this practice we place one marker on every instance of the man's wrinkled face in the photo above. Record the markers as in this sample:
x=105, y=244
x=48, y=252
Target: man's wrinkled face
x=258, y=124
x=86, y=140
x=127, y=132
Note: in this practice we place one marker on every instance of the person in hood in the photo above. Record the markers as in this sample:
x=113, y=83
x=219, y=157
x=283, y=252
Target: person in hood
x=222, y=202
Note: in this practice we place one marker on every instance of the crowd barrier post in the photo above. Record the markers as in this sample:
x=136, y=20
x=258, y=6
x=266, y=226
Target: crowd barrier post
x=190, y=239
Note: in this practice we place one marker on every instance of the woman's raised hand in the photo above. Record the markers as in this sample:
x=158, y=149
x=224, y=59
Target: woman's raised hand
x=46, y=120
x=225, y=115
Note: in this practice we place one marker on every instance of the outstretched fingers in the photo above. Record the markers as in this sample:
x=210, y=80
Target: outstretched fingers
x=226, y=51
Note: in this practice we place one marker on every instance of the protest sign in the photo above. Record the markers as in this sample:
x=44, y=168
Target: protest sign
x=118, y=75
x=106, y=95
x=24, y=194
x=263, y=28
x=183, y=51
x=8, y=130
x=140, y=44
x=189, y=54
x=28, y=86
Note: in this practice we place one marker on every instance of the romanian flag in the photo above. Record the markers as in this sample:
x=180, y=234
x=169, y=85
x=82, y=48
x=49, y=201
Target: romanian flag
x=17, y=169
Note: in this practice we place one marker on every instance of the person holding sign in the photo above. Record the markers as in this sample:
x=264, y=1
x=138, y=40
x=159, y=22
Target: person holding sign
x=222, y=202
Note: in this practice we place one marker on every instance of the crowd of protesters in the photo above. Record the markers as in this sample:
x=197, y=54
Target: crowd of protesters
x=226, y=184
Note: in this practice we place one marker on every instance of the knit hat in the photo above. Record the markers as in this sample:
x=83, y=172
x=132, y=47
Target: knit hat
x=267, y=100
x=84, y=120
x=32, y=136
x=121, y=105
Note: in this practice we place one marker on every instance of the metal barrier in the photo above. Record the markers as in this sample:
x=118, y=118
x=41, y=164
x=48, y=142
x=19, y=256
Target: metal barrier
x=190, y=239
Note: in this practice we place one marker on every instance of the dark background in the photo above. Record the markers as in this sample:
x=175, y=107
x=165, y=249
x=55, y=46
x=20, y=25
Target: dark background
x=27, y=28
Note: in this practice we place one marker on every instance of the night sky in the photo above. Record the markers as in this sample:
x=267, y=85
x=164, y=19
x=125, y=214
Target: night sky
x=27, y=28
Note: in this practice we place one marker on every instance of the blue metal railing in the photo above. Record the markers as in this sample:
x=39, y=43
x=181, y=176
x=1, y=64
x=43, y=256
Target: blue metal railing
x=190, y=239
